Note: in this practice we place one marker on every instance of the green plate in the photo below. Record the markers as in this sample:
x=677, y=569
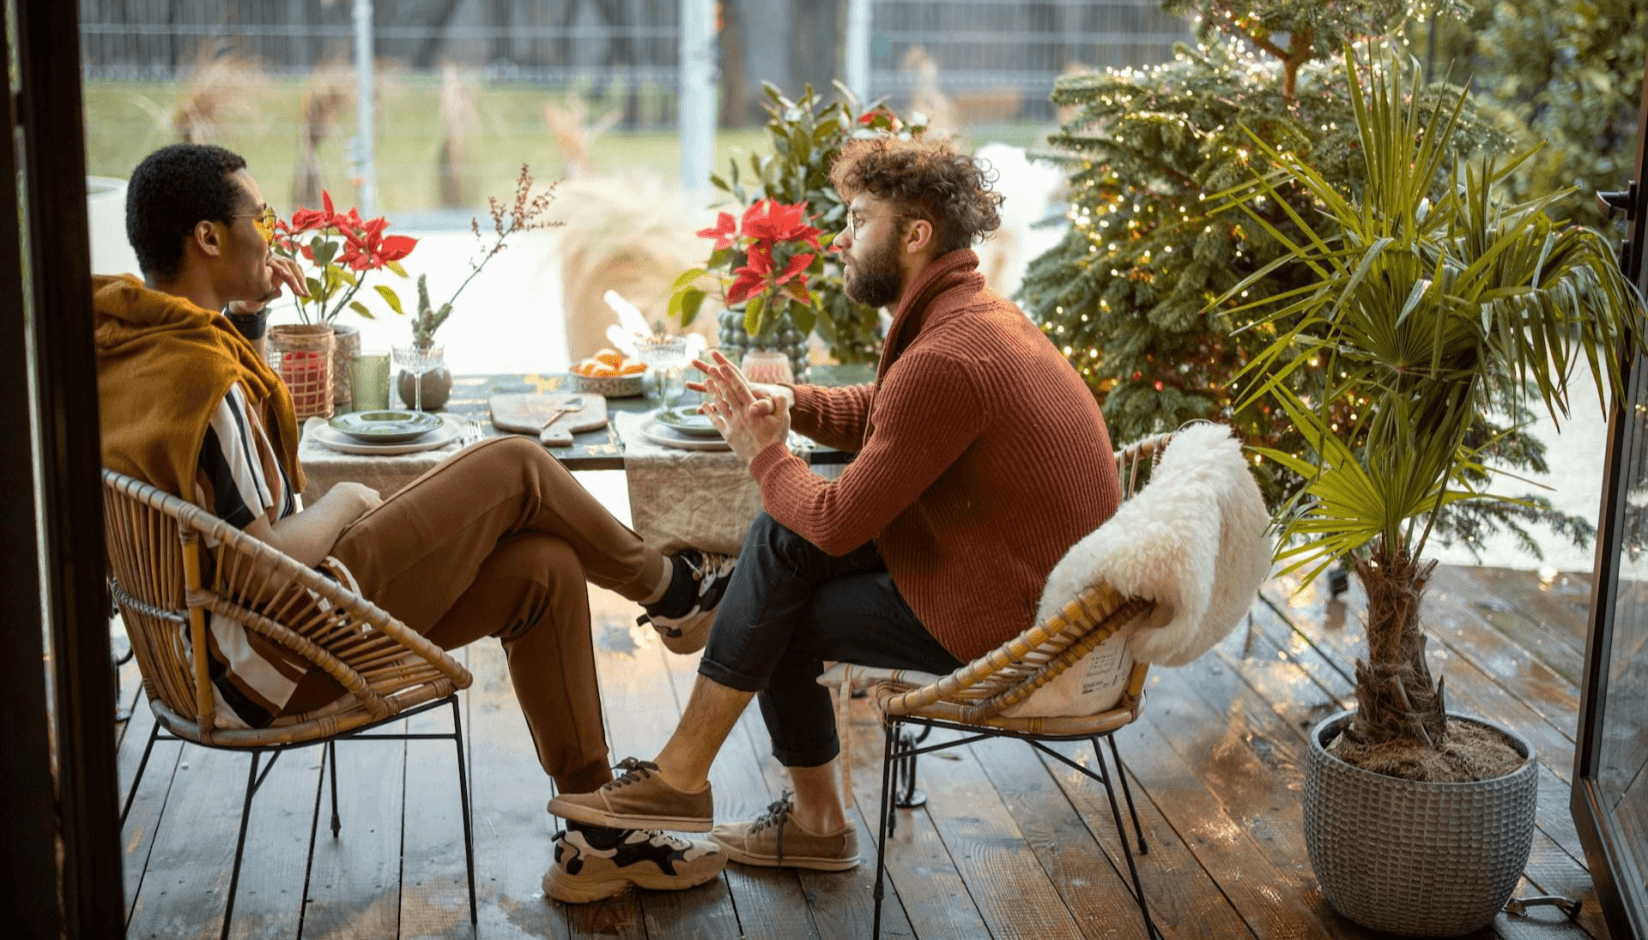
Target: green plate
x=386, y=427
x=687, y=420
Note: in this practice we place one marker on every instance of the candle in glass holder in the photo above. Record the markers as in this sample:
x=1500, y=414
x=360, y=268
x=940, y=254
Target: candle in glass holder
x=771, y=366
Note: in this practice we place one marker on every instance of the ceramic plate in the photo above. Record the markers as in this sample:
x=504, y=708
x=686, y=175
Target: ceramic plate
x=687, y=420
x=669, y=437
x=448, y=430
x=386, y=427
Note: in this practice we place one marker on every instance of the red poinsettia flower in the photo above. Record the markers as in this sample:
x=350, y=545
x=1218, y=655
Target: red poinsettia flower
x=881, y=117
x=750, y=278
x=772, y=221
x=725, y=231
x=367, y=248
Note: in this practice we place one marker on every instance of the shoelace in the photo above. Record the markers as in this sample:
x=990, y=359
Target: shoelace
x=713, y=566
x=633, y=771
x=777, y=814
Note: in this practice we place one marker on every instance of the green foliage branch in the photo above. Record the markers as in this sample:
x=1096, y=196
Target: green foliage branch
x=1126, y=293
x=806, y=135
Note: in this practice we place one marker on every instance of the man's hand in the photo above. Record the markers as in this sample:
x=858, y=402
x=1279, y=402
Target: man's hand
x=282, y=272
x=750, y=417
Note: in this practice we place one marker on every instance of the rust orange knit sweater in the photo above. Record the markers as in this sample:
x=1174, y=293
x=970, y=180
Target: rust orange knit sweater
x=982, y=457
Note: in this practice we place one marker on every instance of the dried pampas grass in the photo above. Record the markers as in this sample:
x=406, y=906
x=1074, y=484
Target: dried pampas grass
x=575, y=134
x=225, y=86
x=330, y=90
x=633, y=233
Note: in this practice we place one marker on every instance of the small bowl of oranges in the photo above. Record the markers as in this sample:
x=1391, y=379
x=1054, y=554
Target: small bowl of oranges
x=611, y=374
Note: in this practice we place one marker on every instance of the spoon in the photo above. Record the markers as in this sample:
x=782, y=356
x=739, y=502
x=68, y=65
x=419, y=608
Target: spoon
x=568, y=405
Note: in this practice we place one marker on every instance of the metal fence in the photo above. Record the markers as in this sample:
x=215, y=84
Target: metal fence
x=467, y=89
x=990, y=62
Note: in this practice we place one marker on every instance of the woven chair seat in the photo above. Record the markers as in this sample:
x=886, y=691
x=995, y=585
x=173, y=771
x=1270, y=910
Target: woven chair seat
x=174, y=562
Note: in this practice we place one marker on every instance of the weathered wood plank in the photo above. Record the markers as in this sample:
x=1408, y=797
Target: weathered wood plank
x=769, y=902
x=1243, y=808
x=1088, y=871
x=185, y=886
x=509, y=790
x=138, y=831
x=434, y=883
x=1525, y=619
x=1002, y=874
x=269, y=901
x=919, y=866
x=355, y=878
x=842, y=903
x=641, y=712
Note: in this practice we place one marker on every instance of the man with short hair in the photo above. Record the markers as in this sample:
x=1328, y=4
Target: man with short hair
x=498, y=540
x=982, y=457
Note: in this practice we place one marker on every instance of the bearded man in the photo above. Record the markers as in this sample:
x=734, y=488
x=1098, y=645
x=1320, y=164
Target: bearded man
x=981, y=458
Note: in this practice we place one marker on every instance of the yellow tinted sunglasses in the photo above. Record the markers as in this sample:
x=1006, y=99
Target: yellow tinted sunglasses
x=263, y=220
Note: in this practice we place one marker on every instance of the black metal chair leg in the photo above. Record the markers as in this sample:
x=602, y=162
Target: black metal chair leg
x=905, y=794
x=154, y=734
x=463, y=798
x=890, y=728
x=1127, y=848
x=332, y=772
x=240, y=843
x=1127, y=793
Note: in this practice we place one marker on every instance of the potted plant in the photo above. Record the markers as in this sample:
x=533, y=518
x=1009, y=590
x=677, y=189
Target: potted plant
x=806, y=136
x=428, y=384
x=340, y=250
x=1434, y=301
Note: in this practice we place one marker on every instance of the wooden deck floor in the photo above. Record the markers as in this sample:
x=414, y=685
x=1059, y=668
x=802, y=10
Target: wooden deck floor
x=1008, y=845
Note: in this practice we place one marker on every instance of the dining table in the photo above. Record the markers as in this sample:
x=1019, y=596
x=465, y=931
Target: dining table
x=677, y=497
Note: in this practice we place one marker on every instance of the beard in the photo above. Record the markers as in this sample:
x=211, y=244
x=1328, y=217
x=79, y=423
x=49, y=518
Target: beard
x=873, y=280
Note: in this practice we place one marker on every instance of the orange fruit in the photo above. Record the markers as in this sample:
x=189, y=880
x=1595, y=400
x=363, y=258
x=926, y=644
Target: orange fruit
x=631, y=367
x=610, y=357
x=602, y=371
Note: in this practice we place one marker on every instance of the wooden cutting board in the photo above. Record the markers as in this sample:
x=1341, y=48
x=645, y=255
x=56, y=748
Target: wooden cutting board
x=527, y=412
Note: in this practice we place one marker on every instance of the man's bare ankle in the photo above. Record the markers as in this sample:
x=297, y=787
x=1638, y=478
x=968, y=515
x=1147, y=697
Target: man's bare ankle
x=679, y=781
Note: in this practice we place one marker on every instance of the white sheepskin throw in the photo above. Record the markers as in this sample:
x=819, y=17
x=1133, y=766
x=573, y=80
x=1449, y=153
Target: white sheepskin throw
x=1193, y=540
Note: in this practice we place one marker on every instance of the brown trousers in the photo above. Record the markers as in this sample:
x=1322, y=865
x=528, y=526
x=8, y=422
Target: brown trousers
x=499, y=541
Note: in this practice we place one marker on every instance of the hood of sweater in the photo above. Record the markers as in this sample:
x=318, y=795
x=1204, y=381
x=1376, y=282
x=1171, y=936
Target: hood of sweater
x=163, y=367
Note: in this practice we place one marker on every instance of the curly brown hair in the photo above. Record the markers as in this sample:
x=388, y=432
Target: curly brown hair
x=925, y=178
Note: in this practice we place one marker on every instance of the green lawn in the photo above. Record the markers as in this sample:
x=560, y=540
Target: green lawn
x=126, y=120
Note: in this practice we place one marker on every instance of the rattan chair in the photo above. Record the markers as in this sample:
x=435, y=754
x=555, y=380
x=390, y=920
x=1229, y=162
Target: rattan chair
x=172, y=562
x=972, y=699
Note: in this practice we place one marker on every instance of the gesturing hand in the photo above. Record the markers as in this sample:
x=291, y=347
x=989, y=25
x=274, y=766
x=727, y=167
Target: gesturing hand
x=751, y=418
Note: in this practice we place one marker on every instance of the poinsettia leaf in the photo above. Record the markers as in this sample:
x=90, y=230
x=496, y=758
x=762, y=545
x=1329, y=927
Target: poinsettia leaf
x=314, y=286
x=390, y=298
x=752, y=315
x=693, y=299
x=720, y=183
x=687, y=277
x=360, y=308
x=324, y=251
x=803, y=316
x=719, y=258
x=347, y=276
x=397, y=268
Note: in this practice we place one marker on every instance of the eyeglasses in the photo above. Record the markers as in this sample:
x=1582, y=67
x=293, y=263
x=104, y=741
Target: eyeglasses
x=263, y=220
x=855, y=221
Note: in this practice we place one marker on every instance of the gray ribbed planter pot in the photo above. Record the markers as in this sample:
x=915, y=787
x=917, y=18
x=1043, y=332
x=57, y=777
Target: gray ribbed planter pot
x=1416, y=859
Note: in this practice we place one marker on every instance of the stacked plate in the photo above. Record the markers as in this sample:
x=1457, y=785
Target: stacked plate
x=685, y=428
x=388, y=432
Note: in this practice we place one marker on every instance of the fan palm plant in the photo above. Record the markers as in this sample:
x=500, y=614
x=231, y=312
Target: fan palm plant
x=1434, y=303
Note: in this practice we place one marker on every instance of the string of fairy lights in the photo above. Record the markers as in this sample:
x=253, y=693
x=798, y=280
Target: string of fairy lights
x=1141, y=231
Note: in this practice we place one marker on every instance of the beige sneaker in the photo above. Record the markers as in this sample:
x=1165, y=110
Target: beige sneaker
x=776, y=840
x=640, y=799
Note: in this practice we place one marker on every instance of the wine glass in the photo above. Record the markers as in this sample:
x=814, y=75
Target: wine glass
x=666, y=357
x=419, y=360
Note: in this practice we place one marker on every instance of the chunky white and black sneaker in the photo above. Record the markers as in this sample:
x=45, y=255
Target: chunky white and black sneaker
x=687, y=610
x=586, y=870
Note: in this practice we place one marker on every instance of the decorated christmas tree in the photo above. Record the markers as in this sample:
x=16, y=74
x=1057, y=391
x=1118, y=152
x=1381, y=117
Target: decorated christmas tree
x=1151, y=241
x=1571, y=70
